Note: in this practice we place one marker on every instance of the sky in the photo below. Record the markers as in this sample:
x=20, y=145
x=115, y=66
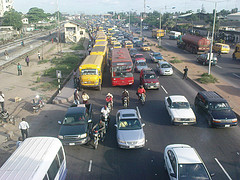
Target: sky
x=104, y=6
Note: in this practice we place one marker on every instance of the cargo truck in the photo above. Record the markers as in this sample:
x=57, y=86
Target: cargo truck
x=156, y=33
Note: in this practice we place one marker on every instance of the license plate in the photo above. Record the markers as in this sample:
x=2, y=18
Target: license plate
x=131, y=146
x=71, y=144
x=227, y=125
x=151, y=86
x=185, y=123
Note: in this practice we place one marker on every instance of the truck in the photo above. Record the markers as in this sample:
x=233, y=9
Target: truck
x=236, y=53
x=76, y=126
x=194, y=44
x=156, y=33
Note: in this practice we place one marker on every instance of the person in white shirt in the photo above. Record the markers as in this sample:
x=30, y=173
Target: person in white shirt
x=24, y=126
x=2, y=100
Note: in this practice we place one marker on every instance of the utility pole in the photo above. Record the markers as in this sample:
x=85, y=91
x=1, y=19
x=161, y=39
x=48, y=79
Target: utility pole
x=129, y=22
x=59, y=32
x=141, y=24
x=160, y=26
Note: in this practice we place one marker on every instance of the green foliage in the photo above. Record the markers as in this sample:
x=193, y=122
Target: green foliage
x=49, y=85
x=205, y=79
x=176, y=61
x=79, y=45
x=13, y=18
x=36, y=14
x=38, y=79
x=43, y=61
x=61, y=18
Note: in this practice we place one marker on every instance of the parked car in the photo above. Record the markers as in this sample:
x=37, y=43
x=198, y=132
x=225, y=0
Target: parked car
x=133, y=52
x=216, y=109
x=156, y=56
x=164, y=68
x=139, y=65
x=149, y=79
x=129, y=128
x=204, y=59
x=181, y=161
x=179, y=110
x=76, y=125
x=145, y=47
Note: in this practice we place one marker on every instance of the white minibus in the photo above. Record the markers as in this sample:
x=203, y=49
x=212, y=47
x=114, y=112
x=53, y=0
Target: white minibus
x=37, y=158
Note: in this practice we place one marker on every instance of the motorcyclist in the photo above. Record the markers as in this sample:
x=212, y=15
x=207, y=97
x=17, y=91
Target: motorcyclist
x=85, y=97
x=101, y=128
x=141, y=91
x=105, y=112
x=109, y=99
x=125, y=93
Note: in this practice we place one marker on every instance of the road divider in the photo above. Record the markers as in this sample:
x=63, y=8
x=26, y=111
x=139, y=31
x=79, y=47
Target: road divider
x=164, y=89
x=223, y=169
x=90, y=166
x=219, y=66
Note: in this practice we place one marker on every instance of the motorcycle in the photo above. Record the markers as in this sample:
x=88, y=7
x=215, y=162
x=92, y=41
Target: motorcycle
x=37, y=103
x=96, y=137
x=142, y=98
x=125, y=102
x=105, y=119
x=109, y=105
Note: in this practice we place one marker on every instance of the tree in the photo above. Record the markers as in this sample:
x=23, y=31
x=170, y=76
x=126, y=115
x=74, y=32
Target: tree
x=13, y=18
x=35, y=14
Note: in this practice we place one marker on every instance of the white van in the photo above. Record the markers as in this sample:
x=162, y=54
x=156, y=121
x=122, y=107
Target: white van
x=36, y=158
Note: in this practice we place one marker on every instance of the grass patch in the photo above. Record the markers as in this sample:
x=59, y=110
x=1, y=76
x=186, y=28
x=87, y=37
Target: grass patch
x=33, y=88
x=173, y=57
x=46, y=86
x=38, y=80
x=205, y=79
x=176, y=61
x=37, y=73
x=79, y=45
x=43, y=61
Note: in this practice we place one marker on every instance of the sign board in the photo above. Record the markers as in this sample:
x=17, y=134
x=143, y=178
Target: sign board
x=59, y=74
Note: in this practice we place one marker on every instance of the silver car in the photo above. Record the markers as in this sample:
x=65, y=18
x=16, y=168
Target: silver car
x=164, y=68
x=139, y=65
x=129, y=129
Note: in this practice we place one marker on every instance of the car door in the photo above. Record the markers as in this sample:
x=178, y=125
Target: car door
x=171, y=165
x=168, y=106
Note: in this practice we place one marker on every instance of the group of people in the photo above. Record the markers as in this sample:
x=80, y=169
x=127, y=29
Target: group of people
x=77, y=96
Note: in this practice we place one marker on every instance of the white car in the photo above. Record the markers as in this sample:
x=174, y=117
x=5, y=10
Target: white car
x=129, y=129
x=164, y=68
x=179, y=110
x=183, y=162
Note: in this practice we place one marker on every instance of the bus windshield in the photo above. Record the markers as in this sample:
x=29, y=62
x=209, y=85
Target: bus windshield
x=89, y=72
x=122, y=74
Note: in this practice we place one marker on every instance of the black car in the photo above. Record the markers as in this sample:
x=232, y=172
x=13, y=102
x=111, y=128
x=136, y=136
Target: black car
x=76, y=125
x=216, y=109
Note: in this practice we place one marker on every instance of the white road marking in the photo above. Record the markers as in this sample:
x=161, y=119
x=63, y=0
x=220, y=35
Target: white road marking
x=90, y=166
x=138, y=112
x=236, y=75
x=164, y=89
x=223, y=169
x=219, y=66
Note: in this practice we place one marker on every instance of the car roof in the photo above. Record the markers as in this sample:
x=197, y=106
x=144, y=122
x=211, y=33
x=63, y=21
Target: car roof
x=141, y=60
x=178, y=98
x=75, y=110
x=128, y=111
x=139, y=55
x=163, y=62
x=186, y=155
x=212, y=96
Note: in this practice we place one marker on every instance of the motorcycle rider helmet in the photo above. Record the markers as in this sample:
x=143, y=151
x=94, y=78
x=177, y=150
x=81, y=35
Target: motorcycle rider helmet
x=108, y=94
x=141, y=86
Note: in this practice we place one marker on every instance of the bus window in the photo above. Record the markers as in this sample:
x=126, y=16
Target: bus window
x=53, y=170
x=60, y=155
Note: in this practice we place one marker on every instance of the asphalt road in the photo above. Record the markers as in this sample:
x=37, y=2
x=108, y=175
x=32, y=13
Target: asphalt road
x=226, y=68
x=110, y=162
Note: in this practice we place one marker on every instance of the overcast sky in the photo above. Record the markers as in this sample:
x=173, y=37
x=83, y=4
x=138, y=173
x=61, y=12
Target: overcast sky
x=103, y=6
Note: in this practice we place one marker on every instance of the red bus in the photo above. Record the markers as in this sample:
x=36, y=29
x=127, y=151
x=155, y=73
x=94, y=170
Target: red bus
x=121, y=67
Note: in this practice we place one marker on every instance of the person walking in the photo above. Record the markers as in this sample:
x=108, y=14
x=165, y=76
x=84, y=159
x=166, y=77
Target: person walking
x=27, y=60
x=6, y=54
x=185, y=72
x=2, y=100
x=85, y=97
x=39, y=56
x=19, y=68
x=76, y=96
x=24, y=126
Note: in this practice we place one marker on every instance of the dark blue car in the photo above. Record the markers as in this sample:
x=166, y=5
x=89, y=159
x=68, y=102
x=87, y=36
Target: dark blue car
x=156, y=56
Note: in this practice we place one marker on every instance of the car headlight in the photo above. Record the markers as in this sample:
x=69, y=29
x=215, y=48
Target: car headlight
x=141, y=141
x=82, y=135
x=157, y=83
x=192, y=119
x=60, y=137
x=177, y=119
x=120, y=141
x=145, y=84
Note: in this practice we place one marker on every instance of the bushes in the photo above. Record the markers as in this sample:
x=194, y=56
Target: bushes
x=205, y=79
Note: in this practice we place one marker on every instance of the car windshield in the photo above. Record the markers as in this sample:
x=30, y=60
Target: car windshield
x=180, y=105
x=74, y=119
x=219, y=105
x=149, y=76
x=165, y=66
x=135, y=38
x=139, y=56
x=141, y=64
x=156, y=54
x=192, y=172
x=145, y=45
x=129, y=124
x=89, y=72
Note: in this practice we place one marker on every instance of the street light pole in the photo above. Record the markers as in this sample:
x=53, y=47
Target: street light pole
x=211, y=54
x=42, y=50
x=129, y=22
x=160, y=26
x=141, y=24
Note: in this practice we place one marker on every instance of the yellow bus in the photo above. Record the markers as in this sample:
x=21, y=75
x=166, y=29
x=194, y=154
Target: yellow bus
x=223, y=48
x=100, y=50
x=101, y=38
x=101, y=43
x=156, y=33
x=91, y=71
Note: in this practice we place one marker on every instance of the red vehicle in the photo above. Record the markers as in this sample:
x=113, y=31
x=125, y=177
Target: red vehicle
x=121, y=67
x=148, y=79
x=139, y=57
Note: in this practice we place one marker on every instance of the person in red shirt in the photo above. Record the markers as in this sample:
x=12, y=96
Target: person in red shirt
x=109, y=99
x=141, y=91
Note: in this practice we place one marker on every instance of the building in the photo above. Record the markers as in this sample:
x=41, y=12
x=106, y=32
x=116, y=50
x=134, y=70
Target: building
x=234, y=17
x=25, y=20
x=73, y=32
x=5, y=5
